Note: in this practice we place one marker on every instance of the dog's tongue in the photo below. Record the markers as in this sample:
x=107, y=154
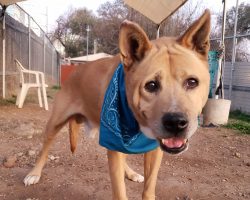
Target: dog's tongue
x=173, y=142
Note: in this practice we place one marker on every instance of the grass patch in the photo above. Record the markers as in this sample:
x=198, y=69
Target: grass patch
x=56, y=87
x=238, y=115
x=9, y=101
x=239, y=121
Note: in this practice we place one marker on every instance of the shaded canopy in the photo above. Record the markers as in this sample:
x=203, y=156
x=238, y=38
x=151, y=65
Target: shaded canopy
x=9, y=2
x=157, y=11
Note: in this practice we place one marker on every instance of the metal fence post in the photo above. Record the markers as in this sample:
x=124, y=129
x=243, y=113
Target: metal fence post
x=58, y=62
x=29, y=47
x=222, y=44
x=52, y=65
x=234, y=50
x=44, y=59
x=4, y=92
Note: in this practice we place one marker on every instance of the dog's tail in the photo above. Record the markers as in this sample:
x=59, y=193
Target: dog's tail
x=73, y=133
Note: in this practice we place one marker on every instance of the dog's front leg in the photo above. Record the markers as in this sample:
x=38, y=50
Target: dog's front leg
x=116, y=162
x=152, y=162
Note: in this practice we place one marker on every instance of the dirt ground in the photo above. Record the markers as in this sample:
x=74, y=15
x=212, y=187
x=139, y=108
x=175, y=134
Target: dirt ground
x=216, y=166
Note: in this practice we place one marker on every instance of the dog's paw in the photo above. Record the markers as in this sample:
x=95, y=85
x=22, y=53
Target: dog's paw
x=31, y=179
x=136, y=178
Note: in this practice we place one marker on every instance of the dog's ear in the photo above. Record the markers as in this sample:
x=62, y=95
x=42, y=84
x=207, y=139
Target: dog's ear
x=133, y=43
x=197, y=36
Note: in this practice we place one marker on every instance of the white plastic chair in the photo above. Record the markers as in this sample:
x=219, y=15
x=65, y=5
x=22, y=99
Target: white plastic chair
x=39, y=84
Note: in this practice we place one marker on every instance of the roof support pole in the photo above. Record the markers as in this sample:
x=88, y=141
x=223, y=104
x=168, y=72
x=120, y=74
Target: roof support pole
x=44, y=54
x=29, y=46
x=158, y=31
x=52, y=65
x=234, y=50
x=219, y=73
x=4, y=53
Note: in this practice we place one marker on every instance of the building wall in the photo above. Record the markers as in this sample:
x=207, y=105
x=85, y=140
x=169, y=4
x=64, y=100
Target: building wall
x=66, y=70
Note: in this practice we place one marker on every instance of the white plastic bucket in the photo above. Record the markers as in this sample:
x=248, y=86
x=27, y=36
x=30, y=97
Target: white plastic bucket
x=216, y=112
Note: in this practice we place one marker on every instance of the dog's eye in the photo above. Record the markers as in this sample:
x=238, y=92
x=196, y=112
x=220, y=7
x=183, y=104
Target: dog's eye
x=152, y=86
x=191, y=83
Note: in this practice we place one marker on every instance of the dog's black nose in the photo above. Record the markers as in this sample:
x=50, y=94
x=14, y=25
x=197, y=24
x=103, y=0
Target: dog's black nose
x=174, y=122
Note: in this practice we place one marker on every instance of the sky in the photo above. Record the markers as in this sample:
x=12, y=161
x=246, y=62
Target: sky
x=55, y=8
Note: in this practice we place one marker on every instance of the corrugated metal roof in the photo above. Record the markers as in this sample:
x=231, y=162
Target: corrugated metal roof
x=90, y=57
x=157, y=11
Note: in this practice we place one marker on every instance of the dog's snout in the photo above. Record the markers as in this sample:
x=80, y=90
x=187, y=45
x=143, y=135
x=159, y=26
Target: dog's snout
x=174, y=122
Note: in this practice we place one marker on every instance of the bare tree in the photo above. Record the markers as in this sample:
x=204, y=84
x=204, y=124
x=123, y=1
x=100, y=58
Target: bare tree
x=111, y=15
x=71, y=30
x=243, y=27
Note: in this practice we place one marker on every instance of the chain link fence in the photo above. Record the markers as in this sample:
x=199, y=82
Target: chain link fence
x=236, y=70
x=27, y=42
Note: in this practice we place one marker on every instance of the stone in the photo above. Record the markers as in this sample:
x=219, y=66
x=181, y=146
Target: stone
x=19, y=154
x=31, y=152
x=10, y=161
x=29, y=136
x=236, y=154
x=52, y=158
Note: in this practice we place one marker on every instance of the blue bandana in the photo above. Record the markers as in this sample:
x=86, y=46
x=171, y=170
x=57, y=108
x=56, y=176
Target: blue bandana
x=119, y=130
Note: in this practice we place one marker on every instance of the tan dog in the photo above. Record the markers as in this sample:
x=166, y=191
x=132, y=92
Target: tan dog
x=167, y=83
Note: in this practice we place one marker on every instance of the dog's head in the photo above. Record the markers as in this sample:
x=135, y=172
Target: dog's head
x=167, y=81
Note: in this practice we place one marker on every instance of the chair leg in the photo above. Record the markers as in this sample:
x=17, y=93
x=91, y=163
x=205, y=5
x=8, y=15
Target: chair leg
x=39, y=97
x=18, y=97
x=23, y=94
x=45, y=98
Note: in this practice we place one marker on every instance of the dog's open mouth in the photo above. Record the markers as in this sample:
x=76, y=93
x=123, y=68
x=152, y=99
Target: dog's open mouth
x=173, y=145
